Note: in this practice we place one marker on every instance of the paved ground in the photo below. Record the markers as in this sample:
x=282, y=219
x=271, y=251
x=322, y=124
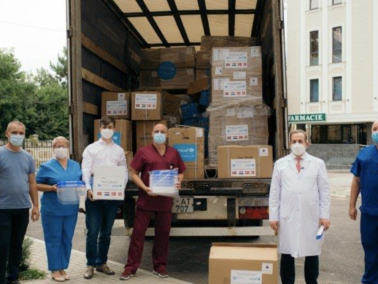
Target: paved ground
x=341, y=260
x=75, y=270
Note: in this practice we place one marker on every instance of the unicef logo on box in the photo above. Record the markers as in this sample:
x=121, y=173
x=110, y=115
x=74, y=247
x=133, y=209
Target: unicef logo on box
x=167, y=70
x=188, y=152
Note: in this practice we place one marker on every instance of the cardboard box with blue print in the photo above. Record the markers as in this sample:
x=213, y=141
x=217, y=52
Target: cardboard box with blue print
x=122, y=133
x=232, y=263
x=254, y=161
x=190, y=143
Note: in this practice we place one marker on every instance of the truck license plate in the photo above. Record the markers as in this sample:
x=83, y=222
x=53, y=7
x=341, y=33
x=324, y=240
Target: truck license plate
x=183, y=205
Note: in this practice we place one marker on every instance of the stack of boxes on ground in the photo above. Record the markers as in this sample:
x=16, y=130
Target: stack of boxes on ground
x=210, y=101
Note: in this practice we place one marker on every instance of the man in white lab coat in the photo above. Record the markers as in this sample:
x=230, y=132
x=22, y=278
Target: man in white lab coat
x=299, y=203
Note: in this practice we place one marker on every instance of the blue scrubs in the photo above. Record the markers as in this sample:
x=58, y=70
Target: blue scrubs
x=58, y=220
x=366, y=168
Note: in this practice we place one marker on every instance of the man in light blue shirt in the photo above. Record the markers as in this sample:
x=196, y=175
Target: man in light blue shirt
x=17, y=186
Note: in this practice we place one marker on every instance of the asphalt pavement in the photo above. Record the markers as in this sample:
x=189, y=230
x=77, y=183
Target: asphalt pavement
x=341, y=260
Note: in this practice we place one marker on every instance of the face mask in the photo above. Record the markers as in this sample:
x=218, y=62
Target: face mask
x=107, y=133
x=60, y=153
x=16, y=140
x=374, y=137
x=159, y=138
x=298, y=149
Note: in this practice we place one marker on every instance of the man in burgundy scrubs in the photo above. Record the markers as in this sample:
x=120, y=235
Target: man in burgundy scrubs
x=156, y=156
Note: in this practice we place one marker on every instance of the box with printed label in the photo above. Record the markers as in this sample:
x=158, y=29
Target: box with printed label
x=144, y=132
x=190, y=143
x=225, y=61
x=166, y=78
x=232, y=263
x=254, y=161
x=180, y=57
x=115, y=104
x=146, y=105
x=239, y=123
x=181, y=79
x=122, y=133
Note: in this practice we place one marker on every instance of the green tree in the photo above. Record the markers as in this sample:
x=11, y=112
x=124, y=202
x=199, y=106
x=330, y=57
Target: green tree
x=40, y=100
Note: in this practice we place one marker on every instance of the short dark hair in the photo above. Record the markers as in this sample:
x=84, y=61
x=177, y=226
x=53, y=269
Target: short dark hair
x=297, y=131
x=106, y=120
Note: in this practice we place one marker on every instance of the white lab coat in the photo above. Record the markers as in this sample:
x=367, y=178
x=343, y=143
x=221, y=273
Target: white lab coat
x=298, y=201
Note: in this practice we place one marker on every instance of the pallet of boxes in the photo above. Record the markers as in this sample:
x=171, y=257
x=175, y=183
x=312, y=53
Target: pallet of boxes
x=238, y=134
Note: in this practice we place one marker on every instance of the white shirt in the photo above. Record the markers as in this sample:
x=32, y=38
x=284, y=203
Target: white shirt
x=101, y=154
x=298, y=201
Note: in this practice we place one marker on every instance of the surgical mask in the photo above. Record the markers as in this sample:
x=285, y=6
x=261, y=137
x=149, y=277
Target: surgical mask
x=107, y=133
x=159, y=138
x=298, y=149
x=61, y=153
x=16, y=140
x=374, y=137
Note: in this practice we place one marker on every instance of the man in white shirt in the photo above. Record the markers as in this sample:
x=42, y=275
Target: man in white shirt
x=100, y=213
x=299, y=203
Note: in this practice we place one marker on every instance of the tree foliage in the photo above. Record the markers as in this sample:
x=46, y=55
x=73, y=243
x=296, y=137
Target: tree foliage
x=40, y=101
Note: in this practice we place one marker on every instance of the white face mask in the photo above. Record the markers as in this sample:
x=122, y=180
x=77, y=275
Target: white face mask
x=107, y=133
x=298, y=149
x=61, y=153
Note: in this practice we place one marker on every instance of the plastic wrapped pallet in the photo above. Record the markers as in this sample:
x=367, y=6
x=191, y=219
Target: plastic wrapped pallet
x=208, y=42
x=237, y=123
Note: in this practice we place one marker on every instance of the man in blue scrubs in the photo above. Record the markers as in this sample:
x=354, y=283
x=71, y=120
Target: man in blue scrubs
x=365, y=171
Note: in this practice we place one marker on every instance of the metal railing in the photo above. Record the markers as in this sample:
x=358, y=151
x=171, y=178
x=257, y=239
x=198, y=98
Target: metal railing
x=41, y=151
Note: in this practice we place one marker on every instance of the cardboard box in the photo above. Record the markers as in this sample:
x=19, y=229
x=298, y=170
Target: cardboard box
x=150, y=59
x=181, y=57
x=129, y=157
x=122, y=133
x=172, y=120
x=208, y=42
x=254, y=161
x=203, y=73
x=225, y=61
x=144, y=132
x=190, y=143
x=241, y=123
x=231, y=263
x=203, y=59
x=149, y=79
x=180, y=81
x=116, y=105
x=172, y=103
x=198, y=86
x=146, y=105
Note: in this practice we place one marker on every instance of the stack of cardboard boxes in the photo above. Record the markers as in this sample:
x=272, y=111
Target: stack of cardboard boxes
x=237, y=113
x=167, y=68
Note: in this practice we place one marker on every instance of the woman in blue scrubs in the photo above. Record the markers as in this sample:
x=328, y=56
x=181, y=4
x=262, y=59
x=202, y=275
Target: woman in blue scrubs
x=58, y=220
x=365, y=171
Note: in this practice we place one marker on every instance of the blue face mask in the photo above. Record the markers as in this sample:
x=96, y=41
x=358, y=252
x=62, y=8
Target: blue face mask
x=159, y=138
x=16, y=140
x=374, y=137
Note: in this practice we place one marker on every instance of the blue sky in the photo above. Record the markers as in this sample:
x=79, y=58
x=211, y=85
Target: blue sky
x=35, y=29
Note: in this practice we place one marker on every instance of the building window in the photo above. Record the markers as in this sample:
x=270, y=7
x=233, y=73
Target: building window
x=337, y=42
x=314, y=48
x=331, y=134
x=314, y=90
x=337, y=92
x=314, y=4
x=336, y=2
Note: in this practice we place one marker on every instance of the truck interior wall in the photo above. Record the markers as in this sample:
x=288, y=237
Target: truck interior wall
x=109, y=34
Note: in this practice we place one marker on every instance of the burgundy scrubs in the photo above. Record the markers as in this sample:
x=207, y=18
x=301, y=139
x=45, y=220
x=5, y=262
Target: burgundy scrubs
x=148, y=159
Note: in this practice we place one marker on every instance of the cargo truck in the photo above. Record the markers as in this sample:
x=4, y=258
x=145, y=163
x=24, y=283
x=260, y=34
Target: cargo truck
x=104, y=41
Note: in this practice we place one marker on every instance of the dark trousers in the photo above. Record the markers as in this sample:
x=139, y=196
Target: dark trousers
x=369, y=239
x=13, y=225
x=163, y=221
x=99, y=221
x=287, y=270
